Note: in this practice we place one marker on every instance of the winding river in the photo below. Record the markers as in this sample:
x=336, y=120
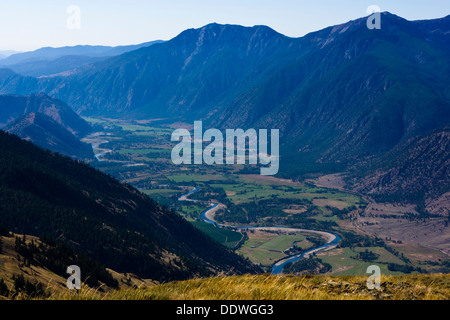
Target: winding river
x=207, y=215
x=277, y=268
x=96, y=139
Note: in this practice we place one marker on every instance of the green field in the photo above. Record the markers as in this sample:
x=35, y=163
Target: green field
x=191, y=212
x=161, y=195
x=266, y=248
x=162, y=192
x=93, y=120
x=185, y=177
x=226, y=237
x=143, y=151
x=343, y=264
x=143, y=128
x=282, y=242
x=322, y=217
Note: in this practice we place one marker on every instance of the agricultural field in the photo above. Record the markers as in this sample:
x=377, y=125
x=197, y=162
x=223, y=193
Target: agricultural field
x=265, y=248
x=227, y=237
x=344, y=263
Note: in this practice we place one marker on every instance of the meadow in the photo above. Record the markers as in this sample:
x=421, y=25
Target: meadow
x=267, y=287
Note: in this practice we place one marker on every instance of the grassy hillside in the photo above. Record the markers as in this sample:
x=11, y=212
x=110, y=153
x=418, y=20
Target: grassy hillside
x=43, y=280
x=31, y=267
x=267, y=287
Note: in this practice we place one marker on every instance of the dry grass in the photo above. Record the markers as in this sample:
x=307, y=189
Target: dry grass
x=268, y=287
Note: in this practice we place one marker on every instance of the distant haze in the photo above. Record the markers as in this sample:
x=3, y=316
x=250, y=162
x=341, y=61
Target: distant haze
x=7, y=53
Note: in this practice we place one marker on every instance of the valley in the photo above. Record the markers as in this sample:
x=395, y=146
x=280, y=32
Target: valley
x=138, y=152
x=121, y=161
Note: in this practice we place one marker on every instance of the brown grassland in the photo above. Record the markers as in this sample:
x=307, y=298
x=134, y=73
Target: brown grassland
x=286, y=287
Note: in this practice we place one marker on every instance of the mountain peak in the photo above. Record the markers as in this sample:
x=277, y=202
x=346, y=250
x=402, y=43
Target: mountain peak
x=221, y=32
x=235, y=27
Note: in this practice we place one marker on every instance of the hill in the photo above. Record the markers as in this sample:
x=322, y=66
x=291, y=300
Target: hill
x=34, y=267
x=31, y=266
x=414, y=171
x=47, y=122
x=57, y=66
x=47, y=195
x=46, y=133
x=15, y=106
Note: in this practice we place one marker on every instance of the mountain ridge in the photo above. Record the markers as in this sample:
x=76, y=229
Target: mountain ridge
x=47, y=61
x=46, y=133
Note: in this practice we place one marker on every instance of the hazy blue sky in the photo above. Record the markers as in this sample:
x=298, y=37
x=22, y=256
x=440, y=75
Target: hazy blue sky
x=30, y=24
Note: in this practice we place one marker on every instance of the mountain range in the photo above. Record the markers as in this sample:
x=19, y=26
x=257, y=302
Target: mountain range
x=344, y=95
x=48, y=61
x=6, y=53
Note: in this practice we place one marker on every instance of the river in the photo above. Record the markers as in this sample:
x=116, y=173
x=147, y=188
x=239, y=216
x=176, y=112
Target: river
x=333, y=239
x=277, y=268
x=96, y=140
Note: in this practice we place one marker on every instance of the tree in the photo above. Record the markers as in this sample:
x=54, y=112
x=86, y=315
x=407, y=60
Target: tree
x=367, y=255
x=4, y=291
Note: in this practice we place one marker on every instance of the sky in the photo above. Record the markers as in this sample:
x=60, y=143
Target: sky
x=29, y=24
